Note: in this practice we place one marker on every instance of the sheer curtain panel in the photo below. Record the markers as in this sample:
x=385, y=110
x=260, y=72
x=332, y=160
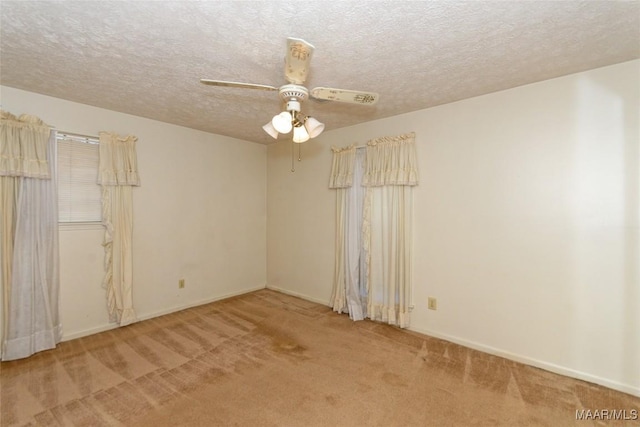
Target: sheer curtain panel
x=29, y=237
x=341, y=180
x=118, y=174
x=350, y=285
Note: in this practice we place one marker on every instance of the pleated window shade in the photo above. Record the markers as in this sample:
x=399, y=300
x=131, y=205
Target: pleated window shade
x=79, y=195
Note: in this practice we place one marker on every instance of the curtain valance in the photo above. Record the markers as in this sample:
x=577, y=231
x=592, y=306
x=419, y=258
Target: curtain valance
x=118, y=160
x=23, y=146
x=342, y=167
x=391, y=161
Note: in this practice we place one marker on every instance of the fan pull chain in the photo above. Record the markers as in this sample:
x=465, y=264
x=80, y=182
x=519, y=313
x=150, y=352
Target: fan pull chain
x=293, y=155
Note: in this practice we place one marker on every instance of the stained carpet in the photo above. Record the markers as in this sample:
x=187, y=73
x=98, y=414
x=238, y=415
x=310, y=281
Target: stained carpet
x=269, y=359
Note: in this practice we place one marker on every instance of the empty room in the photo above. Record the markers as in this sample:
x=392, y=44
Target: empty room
x=355, y=213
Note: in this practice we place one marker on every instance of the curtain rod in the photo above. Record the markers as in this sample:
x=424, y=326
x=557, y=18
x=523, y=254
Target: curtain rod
x=61, y=132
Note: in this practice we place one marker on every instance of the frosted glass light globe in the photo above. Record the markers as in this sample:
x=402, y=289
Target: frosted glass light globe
x=282, y=122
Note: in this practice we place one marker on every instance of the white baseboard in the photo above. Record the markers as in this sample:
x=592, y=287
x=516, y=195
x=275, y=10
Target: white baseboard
x=146, y=316
x=87, y=332
x=568, y=372
x=299, y=295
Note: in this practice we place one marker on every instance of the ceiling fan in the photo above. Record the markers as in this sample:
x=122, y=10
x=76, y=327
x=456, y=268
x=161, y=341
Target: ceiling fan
x=296, y=70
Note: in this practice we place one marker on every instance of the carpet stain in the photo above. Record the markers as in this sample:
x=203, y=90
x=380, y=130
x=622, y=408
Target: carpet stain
x=394, y=379
x=288, y=347
x=331, y=400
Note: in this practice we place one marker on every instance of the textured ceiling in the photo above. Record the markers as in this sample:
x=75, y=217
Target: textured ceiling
x=146, y=58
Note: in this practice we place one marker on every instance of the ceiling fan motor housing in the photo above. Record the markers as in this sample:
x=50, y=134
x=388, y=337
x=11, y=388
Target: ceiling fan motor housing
x=293, y=95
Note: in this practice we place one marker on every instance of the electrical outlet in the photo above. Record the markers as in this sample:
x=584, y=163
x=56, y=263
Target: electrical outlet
x=181, y=283
x=432, y=303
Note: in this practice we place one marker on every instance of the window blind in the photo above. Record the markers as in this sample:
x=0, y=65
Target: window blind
x=79, y=195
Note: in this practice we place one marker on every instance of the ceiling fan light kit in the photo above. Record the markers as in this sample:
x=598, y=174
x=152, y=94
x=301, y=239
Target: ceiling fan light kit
x=297, y=63
x=304, y=127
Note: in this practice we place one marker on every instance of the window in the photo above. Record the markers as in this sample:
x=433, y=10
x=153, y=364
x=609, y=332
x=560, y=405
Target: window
x=79, y=195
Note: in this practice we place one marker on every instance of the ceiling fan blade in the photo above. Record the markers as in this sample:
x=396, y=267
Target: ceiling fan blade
x=297, y=61
x=343, y=95
x=236, y=84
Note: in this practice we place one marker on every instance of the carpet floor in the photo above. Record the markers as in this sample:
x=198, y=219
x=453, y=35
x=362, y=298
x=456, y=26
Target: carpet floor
x=269, y=359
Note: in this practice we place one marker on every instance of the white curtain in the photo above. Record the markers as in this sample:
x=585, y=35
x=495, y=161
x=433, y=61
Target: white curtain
x=118, y=173
x=29, y=234
x=373, y=239
x=350, y=270
x=341, y=180
x=390, y=175
x=389, y=252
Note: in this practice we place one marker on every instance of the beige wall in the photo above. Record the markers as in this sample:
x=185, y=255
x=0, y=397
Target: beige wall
x=526, y=222
x=200, y=215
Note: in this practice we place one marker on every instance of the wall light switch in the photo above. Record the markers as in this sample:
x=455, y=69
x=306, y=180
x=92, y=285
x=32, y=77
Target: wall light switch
x=432, y=303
